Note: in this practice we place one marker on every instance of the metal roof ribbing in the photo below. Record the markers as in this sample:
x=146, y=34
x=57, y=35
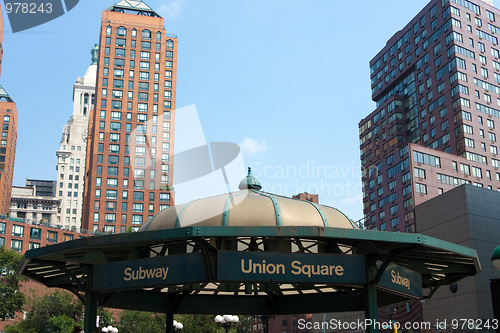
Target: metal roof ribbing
x=140, y=7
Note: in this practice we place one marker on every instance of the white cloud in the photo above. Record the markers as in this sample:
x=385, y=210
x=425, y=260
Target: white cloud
x=252, y=146
x=171, y=10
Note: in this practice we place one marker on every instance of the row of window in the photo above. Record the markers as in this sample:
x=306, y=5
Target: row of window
x=395, y=223
x=138, y=184
x=144, y=76
x=142, y=86
x=112, y=206
x=145, y=34
x=137, y=195
x=34, y=233
x=24, y=205
x=141, y=107
x=113, y=171
x=111, y=218
x=71, y=168
x=70, y=176
x=422, y=188
x=17, y=245
x=117, y=115
x=122, y=42
x=111, y=228
x=139, y=151
x=143, y=55
x=138, y=161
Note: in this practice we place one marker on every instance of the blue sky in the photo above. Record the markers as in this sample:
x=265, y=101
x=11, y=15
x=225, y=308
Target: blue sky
x=288, y=80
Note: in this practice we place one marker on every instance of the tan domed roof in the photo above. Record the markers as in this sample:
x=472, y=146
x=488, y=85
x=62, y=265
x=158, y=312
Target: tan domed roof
x=248, y=208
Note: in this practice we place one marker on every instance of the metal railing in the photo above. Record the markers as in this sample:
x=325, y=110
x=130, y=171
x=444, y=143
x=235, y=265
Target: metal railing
x=361, y=223
x=52, y=225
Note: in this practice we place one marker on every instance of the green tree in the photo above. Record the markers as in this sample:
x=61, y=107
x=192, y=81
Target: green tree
x=105, y=318
x=198, y=323
x=56, y=312
x=60, y=324
x=19, y=329
x=245, y=324
x=12, y=299
x=147, y=322
x=140, y=321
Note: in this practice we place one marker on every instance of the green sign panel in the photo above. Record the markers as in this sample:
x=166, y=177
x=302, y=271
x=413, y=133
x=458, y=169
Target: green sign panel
x=290, y=267
x=150, y=272
x=401, y=279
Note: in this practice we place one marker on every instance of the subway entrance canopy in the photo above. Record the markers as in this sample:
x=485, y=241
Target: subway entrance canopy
x=249, y=252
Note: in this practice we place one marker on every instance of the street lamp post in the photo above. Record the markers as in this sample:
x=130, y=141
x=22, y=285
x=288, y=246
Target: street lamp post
x=226, y=321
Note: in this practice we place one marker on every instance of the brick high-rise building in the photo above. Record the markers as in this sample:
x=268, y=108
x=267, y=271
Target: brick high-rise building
x=436, y=84
x=8, y=117
x=130, y=140
x=8, y=141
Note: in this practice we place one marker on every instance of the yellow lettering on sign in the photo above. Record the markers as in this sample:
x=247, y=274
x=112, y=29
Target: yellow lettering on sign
x=297, y=268
x=261, y=268
x=398, y=279
x=142, y=274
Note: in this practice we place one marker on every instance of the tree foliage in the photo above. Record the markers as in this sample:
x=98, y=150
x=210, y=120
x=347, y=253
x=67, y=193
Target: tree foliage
x=245, y=324
x=12, y=299
x=55, y=312
x=147, y=322
x=19, y=329
x=57, y=303
x=105, y=317
x=60, y=324
x=140, y=321
x=198, y=323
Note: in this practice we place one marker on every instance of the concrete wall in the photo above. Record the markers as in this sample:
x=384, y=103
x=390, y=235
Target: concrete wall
x=468, y=216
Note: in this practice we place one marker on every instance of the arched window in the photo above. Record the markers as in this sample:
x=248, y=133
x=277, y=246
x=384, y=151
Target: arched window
x=170, y=44
x=158, y=35
x=6, y=118
x=121, y=31
x=108, y=30
x=146, y=34
x=134, y=33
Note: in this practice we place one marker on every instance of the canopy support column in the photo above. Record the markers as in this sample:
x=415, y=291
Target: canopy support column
x=90, y=312
x=370, y=296
x=169, y=323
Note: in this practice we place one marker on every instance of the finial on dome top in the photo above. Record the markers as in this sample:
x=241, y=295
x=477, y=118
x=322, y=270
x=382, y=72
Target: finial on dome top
x=95, y=54
x=250, y=182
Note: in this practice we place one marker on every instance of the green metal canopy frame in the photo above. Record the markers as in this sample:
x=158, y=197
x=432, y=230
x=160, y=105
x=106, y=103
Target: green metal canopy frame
x=90, y=268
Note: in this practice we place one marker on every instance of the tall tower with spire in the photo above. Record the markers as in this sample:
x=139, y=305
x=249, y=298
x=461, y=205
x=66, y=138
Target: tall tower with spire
x=72, y=152
x=130, y=139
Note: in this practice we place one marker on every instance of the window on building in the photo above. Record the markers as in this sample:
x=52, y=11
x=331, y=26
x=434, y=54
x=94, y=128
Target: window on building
x=15, y=244
x=33, y=245
x=51, y=236
x=420, y=188
x=35, y=233
x=17, y=230
x=121, y=31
